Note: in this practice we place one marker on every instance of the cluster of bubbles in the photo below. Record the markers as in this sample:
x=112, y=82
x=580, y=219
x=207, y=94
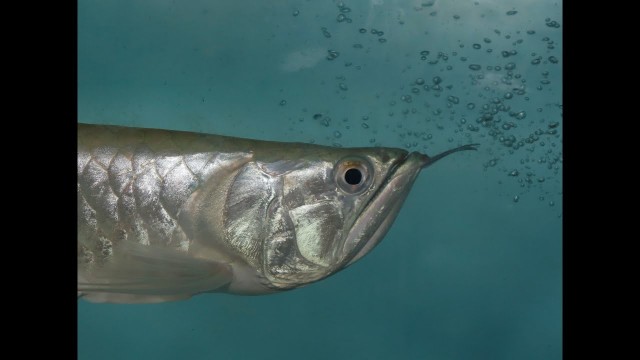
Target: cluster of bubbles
x=493, y=105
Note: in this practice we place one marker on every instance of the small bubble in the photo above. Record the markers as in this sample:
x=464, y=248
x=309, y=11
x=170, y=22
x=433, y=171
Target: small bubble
x=365, y=126
x=362, y=30
x=337, y=134
x=296, y=12
x=436, y=80
x=341, y=17
x=332, y=54
x=553, y=24
x=471, y=106
x=382, y=40
x=474, y=67
x=511, y=12
x=516, y=198
x=476, y=46
x=487, y=40
x=406, y=98
x=419, y=81
x=553, y=59
x=424, y=52
x=343, y=86
x=283, y=102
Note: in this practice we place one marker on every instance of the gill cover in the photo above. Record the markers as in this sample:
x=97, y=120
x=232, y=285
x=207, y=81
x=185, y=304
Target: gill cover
x=292, y=218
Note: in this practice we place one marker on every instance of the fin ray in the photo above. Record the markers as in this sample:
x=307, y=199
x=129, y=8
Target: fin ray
x=140, y=273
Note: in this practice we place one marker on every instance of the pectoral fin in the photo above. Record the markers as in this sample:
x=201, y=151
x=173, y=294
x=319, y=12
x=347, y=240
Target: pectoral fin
x=142, y=274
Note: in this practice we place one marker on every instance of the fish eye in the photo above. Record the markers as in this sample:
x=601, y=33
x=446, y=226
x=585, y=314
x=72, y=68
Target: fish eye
x=353, y=175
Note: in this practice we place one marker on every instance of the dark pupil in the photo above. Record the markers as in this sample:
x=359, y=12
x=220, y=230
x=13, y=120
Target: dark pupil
x=353, y=176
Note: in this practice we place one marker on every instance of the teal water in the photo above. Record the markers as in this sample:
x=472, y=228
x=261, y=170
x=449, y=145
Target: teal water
x=472, y=267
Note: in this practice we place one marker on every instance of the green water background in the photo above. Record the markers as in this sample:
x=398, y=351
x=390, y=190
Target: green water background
x=466, y=272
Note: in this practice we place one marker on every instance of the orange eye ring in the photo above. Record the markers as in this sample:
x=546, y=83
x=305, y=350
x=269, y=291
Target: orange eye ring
x=353, y=175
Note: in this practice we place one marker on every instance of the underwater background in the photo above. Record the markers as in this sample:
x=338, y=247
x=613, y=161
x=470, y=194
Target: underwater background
x=471, y=268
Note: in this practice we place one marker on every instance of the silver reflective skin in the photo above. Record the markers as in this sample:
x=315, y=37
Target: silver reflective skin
x=164, y=215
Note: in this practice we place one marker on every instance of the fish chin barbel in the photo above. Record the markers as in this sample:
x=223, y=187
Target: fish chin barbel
x=430, y=160
x=164, y=215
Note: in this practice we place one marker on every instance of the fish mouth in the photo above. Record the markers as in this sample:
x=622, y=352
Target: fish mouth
x=383, y=207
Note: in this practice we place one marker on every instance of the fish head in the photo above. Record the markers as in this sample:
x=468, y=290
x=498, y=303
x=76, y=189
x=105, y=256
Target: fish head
x=332, y=210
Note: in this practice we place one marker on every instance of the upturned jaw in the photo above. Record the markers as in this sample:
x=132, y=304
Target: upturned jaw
x=378, y=216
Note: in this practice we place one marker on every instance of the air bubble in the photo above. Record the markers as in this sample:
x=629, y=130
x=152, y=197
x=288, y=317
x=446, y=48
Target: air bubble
x=332, y=54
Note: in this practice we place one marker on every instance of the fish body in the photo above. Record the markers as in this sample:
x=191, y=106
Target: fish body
x=164, y=215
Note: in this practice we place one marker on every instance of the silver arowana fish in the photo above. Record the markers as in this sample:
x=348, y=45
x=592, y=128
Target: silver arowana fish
x=164, y=215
